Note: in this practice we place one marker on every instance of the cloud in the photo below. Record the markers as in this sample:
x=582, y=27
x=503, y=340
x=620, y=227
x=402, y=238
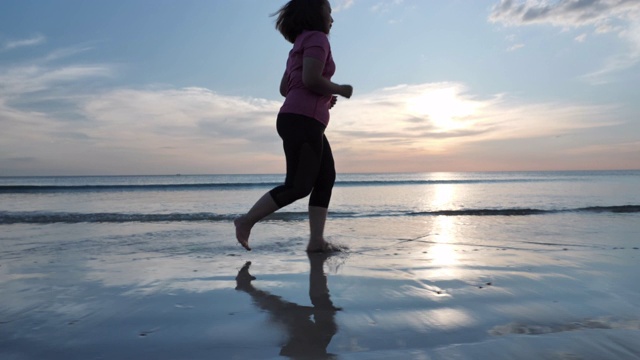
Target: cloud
x=445, y=120
x=186, y=118
x=581, y=38
x=515, y=47
x=63, y=53
x=54, y=121
x=32, y=41
x=602, y=16
x=384, y=6
x=620, y=61
x=565, y=13
x=379, y=7
x=33, y=75
x=25, y=88
x=148, y=130
x=22, y=79
x=340, y=5
x=187, y=130
x=631, y=147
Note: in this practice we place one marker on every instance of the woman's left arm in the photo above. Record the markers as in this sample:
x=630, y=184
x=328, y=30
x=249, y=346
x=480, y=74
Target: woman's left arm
x=313, y=80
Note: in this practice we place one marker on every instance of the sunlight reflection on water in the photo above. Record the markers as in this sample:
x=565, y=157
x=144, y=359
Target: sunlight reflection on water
x=443, y=253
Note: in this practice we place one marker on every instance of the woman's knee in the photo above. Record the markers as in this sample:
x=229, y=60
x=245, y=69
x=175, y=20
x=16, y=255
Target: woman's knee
x=299, y=192
x=286, y=195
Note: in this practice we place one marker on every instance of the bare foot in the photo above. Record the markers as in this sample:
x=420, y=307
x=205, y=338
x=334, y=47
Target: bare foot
x=242, y=233
x=325, y=248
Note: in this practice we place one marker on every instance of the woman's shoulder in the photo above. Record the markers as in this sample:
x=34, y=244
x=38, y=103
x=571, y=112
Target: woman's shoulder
x=313, y=33
x=312, y=37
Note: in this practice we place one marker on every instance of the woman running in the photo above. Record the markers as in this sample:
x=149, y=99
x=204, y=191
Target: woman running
x=309, y=94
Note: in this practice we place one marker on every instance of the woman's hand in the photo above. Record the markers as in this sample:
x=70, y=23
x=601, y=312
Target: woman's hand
x=333, y=101
x=346, y=91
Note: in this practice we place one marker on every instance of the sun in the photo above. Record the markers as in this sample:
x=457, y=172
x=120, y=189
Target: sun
x=444, y=107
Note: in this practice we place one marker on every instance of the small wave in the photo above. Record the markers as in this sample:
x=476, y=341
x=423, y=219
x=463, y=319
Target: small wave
x=485, y=212
x=8, y=189
x=527, y=211
x=70, y=218
x=611, y=209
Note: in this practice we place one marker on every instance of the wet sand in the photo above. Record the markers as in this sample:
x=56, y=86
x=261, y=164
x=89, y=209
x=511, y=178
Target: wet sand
x=441, y=288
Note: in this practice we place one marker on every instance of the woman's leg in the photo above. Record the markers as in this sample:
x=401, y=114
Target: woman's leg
x=317, y=220
x=319, y=201
x=263, y=207
x=302, y=140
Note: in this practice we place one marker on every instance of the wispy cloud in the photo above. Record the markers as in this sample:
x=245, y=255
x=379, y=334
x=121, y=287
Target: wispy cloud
x=581, y=38
x=32, y=41
x=340, y=5
x=64, y=53
x=602, y=16
x=515, y=47
x=620, y=61
x=384, y=6
x=379, y=7
x=632, y=147
x=19, y=80
x=41, y=74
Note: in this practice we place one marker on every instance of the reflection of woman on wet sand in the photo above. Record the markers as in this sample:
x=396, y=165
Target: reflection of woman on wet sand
x=307, y=338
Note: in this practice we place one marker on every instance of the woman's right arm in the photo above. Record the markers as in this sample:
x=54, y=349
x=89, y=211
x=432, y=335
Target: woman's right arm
x=313, y=80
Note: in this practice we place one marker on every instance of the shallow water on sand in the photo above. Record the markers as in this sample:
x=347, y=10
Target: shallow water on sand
x=556, y=286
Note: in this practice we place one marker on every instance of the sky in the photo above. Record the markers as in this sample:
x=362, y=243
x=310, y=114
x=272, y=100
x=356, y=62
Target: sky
x=136, y=87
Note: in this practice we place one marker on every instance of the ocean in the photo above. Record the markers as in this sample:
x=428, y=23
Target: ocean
x=220, y=198
x=496, y=265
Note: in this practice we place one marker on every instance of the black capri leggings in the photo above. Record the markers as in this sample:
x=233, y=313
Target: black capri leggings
x=310, y=166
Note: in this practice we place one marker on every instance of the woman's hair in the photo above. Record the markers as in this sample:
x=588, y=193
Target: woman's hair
x=299, y=15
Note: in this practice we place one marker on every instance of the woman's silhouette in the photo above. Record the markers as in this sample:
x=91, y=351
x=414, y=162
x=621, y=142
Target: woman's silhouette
x=309, y=94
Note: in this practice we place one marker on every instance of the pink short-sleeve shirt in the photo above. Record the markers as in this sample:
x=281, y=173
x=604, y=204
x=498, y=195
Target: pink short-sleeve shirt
x=299, y=99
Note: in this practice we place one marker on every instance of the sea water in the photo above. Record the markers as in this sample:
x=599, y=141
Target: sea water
x=197, y=198
x=437, y=263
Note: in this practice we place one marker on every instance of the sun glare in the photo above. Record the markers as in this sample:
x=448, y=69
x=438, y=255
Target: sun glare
x=443, y=107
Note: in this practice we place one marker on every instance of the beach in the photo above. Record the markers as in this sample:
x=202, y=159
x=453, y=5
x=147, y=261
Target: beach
x=546, y=278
